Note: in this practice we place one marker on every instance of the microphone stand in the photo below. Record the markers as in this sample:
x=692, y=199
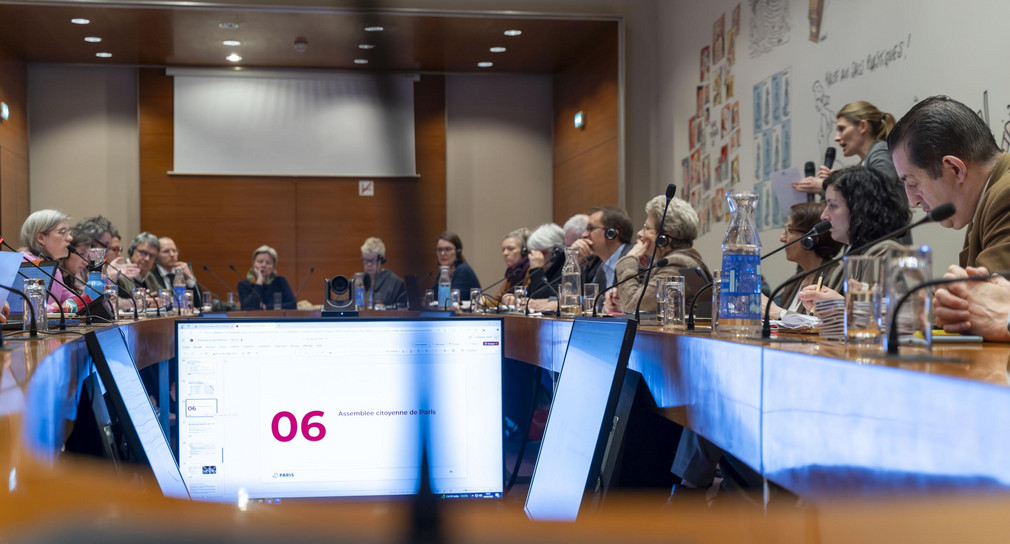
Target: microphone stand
x=671, y=191
x=694, y=302
x=33, y=330
x=661, y=263
x=252, y=289
x=306, y=280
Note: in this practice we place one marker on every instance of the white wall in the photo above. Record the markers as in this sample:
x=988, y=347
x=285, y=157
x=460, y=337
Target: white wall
x=499, y=162
x=916, y=48
x=84, y=142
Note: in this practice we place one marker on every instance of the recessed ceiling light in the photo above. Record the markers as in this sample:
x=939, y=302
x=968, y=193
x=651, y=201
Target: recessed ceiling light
x=80, y=21
x=366, y=46
x=497, y=50
x=92, y=39
x=227, y=25
x=360, y=61
x=513, y=32
x=231, y=43
x=103, y=54
x=485, y=64
x=233, y=57
x=374, y=28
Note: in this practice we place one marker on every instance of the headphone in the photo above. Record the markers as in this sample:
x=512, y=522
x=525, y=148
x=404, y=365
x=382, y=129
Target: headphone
x=382, y=259
x=610, y=233
x=662, y=240
x=524, y=251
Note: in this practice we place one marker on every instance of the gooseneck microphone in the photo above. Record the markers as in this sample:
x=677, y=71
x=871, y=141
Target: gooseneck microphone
x=540, y=273
x=829, y=157
x=252, y=288
x=689, y=322
x=941, y=212
x=892, y=332
x=816, y=230
x=33, y=330
x=661, y=240
x=227, y=288
x=659, y=264
x=312, y=269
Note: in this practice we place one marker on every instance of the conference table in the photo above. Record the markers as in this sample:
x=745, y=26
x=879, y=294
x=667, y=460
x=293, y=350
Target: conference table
x=821, y=419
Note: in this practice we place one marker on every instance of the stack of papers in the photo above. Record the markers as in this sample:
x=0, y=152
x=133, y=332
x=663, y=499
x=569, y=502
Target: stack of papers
x=796, y=322
x=832, y=315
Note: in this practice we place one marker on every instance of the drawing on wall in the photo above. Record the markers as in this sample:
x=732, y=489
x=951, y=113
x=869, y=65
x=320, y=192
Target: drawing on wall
x=734, y=31
x=825, y=117
x=769, y=25
x=706, y=62
x=719, y=39
x=772, y=142
x=815, y=16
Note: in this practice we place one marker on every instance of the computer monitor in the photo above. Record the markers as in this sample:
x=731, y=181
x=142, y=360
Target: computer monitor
x=28, y=270
x=579, y=422
x=131, y=406
x=330, y=408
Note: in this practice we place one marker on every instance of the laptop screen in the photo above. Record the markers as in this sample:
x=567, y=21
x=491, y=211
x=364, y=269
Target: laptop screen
x=133, y=407
x=27, y=270
x=577, y=426
x=319, y=408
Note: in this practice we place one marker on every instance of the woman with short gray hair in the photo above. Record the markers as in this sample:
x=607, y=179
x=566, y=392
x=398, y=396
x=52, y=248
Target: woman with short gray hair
x=263, y=286
x=547, y=257
x=46, y=237
x=674, y=241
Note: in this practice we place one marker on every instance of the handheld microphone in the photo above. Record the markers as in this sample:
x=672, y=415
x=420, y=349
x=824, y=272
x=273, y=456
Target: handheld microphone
x=252, y=287
x=829, y=157
x=816, y=230
x=33, y=330
x=941, y=212
x=810, y=169
x=661, y=240
x=306, y=280
x=892, y=332
x=660, y=263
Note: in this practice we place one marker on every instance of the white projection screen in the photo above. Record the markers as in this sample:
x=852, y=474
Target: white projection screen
x=284, y=123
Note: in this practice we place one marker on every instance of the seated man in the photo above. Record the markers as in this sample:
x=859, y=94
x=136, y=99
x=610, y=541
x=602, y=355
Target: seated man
x=169, y=265
x=388, y=289
x=143, y=252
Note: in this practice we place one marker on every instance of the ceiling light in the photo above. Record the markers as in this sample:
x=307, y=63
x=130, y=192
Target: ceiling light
x=366, y=46
x=485, y=64
x=103, y=54
x=513, y=32
x=497, y=50
x=227, y=25
x=80, y=21
x=231, y=43
x=374, y=29
x=360, y=61
x=92, y=39
x=233, y=57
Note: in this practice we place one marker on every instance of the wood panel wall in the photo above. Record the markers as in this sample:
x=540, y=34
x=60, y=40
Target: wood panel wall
x=13, y=147
x=315, y=223
x=586, y=162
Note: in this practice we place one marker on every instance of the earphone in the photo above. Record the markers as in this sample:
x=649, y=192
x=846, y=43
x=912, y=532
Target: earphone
x=662, y=240
x=610, y=233
x=382, y=259
x=524, y=251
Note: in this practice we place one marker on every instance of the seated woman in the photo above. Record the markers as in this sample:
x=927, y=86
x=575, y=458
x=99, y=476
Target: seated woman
x=449, y=252
x=262, y=282
x=46, y=237
x=679, y=232
x=546, y=247
x=517, y=266
x=77, y=266
x=388, y=289
x=861, y=207
x=802, y=218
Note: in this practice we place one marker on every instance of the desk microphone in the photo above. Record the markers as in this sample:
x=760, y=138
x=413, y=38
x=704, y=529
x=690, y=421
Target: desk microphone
x=63, y=315
x=227, y=288
x=33, y=330
x=661, y=240
x=306, y=280
x=941, y=212
x=660, y=263
x=539, y=272
x=252, y=288
x=816, y=230
x=892, y=332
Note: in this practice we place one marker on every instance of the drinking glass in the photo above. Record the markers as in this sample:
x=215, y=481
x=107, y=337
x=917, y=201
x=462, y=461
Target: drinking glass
x=140, y=301
x=111, y=294
x=278, y=301
x=475, y=305
x=589, y=293
x=456, y=298
x=673, y=302
x=430, y=301
x=905, y=268
x=863, y=277
x=520, y=293
x=165, y=297
x=660, y=299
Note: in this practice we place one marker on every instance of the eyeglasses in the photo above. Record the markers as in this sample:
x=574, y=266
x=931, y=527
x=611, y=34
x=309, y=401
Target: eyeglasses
x=591, y=228
x=647, y=227
x=60, y=232
x=145, y=254
x=444, y=249
x=369, y=260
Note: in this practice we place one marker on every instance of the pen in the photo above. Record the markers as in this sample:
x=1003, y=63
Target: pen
x=820, y=280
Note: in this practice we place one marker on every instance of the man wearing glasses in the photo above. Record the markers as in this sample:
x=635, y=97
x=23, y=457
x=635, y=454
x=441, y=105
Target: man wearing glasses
x=143, y=252
x=607, y=237
x=387, y=288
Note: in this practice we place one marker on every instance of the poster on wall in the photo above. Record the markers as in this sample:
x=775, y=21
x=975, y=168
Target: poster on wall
x=772, y=142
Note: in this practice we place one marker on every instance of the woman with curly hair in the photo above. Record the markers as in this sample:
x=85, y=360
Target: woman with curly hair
x=861, y=207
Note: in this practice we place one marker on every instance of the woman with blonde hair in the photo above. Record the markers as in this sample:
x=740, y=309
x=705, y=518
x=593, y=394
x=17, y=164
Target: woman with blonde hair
x=862, y=130
x=262, y=282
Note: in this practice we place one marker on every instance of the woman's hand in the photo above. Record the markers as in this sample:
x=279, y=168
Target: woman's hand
x=4, y=312
x=640, y=250
x=813, y=184
x=612, y=302
x=260, y=278
x=537, y=258
x=811, y=294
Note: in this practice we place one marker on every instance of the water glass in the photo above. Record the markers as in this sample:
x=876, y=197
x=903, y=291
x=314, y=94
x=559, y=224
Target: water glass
x=278, y=301
x=716, y=290
x=589, y=293
x=475, y=305
x=906, y=268
x=208, y=301
x=863, y=277
x=430, y=301
x=140, y=301
x=673, y=301
x=186, y=304
x=231, y=299
x=660, y=298
x=456, y=298
x=165, y=297
x=111, y=294
x=35, y=290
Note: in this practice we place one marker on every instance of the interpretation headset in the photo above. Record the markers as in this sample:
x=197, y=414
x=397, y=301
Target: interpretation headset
x=525, y=251
x=382, y=259
x=610, y=233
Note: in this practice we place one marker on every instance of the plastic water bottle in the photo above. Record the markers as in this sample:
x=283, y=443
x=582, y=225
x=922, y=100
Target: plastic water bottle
x=570, y=290
x=96, y=259
x=444, y=288
x=740, y=285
